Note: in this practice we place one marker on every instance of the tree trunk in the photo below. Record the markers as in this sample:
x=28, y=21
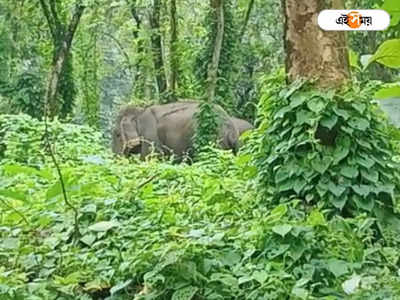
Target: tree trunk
x=173, y=51
x=139, y=77
x=218, y=6
x=312, y=52
x=246, y=19
x=62, y=40
x=157, y=47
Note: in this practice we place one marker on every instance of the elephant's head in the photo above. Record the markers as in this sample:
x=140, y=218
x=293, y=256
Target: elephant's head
x=126, y=137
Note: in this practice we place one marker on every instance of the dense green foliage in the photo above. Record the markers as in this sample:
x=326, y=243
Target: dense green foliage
x=152, y=230
x=331, y=149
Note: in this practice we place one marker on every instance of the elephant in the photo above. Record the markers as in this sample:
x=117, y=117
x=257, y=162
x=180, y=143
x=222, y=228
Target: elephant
x=166, y=128
x=241, y=125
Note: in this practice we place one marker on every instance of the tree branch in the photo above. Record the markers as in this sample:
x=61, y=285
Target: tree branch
x=50, y=21
x=56, y=20
x=246, y=19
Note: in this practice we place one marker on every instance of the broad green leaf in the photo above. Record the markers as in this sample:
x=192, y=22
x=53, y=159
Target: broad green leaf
x=392, y=7
x=336, y=189
x=299, y=184
x=370, y=175
x=365, y=59
x=260, y=276
x=230, y=258
x=297, y=100
x=388, y=54
x=341, y=112
x=362, y=189
x=321, y=165
x=360, y=107
x=17, y=169
x=365, y=162
x=281, y=175
x=353, y=59
x=10, y=243
x=388, y=92
x=338, y=202
x=351, y=285
x=54, y=191
x=282, y=230
x=359, y=123
x=304, y=117
x=337, y=267
x=316, y=105
x=88, y=239
x=316, y=218
x=349, y=171
x=186, y=293
x=13, y=195
x=277, y=213
x=299, y=292
x=226, y=279
x=366, y=203
x=329, y=122
x=103, y=226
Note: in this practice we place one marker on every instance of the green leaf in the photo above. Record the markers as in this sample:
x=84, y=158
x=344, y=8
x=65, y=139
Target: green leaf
x=226, y=279
x=120, y=286
x=351, y=285
x=10, y=243
x=88, y=239
x=341, y=151
x=321, y=165
x=338, y=202
x=316, y=218
x=366, y=203
x=260, y=276
x=370, y=175
x=349, y=171
x=365, y=162
x=341, y=112
x=54, y=191
x=362, y=189
x=299, y=184
x=316, y=105
x=17, y=169
x=337, y=267
x=186, y=293
x=360, y=107
x=392, y=7
x=300, y=293
x=297, y=100
x=359, y=123
x=304, y=117
x=13, y=195
x=281, y=175
x=103, y=226
x=277, y=213
x=388, y=54
x=329, y=122
x=336, y=189
x=388, y=92
x=230, y=258
x=353, y=59
x=282, y=230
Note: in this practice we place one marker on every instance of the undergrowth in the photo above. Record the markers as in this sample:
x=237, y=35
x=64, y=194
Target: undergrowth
x=154, y=230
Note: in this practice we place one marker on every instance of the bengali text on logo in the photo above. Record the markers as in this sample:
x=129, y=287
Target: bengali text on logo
x=348, y=20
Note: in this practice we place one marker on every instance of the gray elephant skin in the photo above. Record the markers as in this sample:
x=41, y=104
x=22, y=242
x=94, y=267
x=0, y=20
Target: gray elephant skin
x=241, y=125
x=168, y=128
